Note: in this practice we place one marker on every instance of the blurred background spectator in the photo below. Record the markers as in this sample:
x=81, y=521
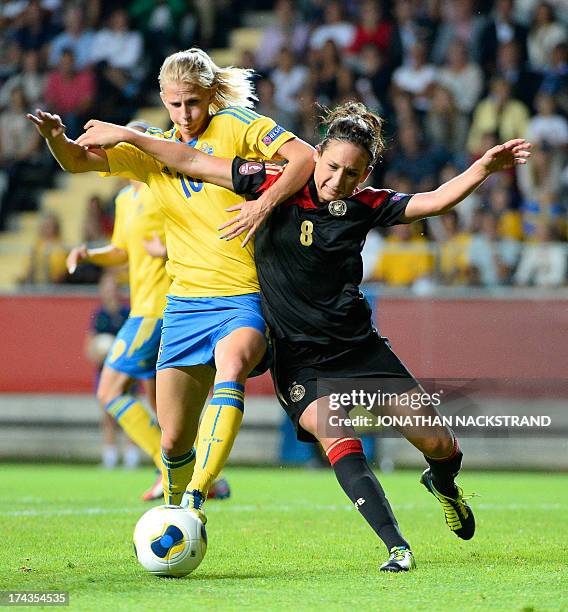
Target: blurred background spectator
x=47, y=261
x=450, y=78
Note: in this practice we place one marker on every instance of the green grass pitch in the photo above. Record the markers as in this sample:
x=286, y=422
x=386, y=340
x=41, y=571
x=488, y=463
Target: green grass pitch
x=286, y=540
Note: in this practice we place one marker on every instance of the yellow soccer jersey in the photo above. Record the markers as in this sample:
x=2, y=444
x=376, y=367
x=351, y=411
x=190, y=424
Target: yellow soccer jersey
x=138, y=216
x=199, y=263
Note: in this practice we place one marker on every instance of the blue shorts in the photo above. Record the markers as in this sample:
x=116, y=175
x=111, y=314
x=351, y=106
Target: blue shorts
x=193, y=326
x=135, y=349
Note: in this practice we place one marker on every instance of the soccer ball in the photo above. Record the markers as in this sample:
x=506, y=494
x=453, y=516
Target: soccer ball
x=99, y=346
x=170, y=541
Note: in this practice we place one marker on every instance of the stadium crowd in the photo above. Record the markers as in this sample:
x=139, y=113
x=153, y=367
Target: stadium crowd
x=450, y=78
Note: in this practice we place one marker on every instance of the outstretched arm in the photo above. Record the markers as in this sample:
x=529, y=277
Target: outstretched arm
x=69, y=155
x=105, y=256
x=443, y=199
x=175, y=155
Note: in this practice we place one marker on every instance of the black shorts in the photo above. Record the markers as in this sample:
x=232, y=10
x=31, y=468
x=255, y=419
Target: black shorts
x=298, y=366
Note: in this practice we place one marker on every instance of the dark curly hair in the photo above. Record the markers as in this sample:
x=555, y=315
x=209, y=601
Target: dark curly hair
x=353, y=122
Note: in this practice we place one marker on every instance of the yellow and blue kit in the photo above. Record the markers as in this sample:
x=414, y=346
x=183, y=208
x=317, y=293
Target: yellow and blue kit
x=138, y=217
x=202, y=267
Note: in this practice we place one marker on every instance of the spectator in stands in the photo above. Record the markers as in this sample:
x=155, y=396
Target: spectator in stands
x=328, y=66
x=416, y=76
x=555, y=78
x=547, y=127
x=510, y=66
x=289, y=80
x=454, y=262
x=346, y=89
x=460, y=23
x=71, y=93
x=374, y=79
x=405, y=258
x=10, y=59
x=498, y=113
x=409, y=29
x=286, y=31
x=117, y=52
x=98, y=222
x=539, y=186
x=20, y=150
x=47, y=262
x=35, y=31
x=372, y=28
x=509, y=220
x=544, y=34
x=309, y=124
x=462, y=76
x=524, y=10
x=412, y=157
x=542, y=263
x=334, y=28
x=501, y=27
x=75, y=38
x=117, y=45
x=492, y=260
x=445, y=127
x=31, y=80
x=267, y=106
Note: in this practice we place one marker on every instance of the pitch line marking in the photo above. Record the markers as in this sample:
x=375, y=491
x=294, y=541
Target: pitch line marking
x=260, y=507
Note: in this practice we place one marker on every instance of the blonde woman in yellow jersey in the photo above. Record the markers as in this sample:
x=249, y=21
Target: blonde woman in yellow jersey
x=213, y=328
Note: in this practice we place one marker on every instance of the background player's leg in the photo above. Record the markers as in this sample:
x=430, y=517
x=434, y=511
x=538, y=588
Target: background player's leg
x=345, y=453
x=109, y=429
x=180, y=395
x=128, y=411
x=235, y=357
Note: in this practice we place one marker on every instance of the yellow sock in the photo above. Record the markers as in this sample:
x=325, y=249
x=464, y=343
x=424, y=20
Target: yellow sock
x=138, y=425
x=176, y=473
x=217, y=432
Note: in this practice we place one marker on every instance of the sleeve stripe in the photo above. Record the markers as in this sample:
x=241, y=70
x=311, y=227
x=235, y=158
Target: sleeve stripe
x=228, y=112
x=247, y=112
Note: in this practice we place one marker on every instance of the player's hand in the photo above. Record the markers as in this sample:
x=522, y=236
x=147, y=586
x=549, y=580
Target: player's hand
x=251, y=216
x=75, y=257
x=48, y=125
x=504, y=156
x=100, y=134
x=155, y=247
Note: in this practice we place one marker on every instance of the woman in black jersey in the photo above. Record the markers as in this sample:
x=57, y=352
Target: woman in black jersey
x=308, y=257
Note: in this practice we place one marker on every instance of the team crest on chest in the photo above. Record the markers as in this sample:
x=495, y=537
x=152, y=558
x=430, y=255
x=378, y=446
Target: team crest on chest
x=337, y=208
x=297, y=392
x=206, y=148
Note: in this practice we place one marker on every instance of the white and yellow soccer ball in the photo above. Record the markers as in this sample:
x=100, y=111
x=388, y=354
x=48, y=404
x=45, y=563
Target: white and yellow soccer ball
x=170, y=541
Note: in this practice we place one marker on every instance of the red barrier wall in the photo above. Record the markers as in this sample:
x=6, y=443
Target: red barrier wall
x=41, y=340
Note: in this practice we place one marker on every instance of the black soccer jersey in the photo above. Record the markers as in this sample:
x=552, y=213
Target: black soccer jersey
x=308, y=256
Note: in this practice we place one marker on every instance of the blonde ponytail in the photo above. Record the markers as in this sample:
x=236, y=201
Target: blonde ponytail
x=232, y=86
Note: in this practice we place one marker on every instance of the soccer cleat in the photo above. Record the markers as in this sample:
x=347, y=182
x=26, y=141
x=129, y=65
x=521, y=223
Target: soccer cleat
x=193, y=501
x=155, y=491
x=458, y=514
x=401, y=560
x=219, y=490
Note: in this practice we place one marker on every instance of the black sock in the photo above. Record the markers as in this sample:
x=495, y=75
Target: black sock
x=444, y=471
x=364, y=490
